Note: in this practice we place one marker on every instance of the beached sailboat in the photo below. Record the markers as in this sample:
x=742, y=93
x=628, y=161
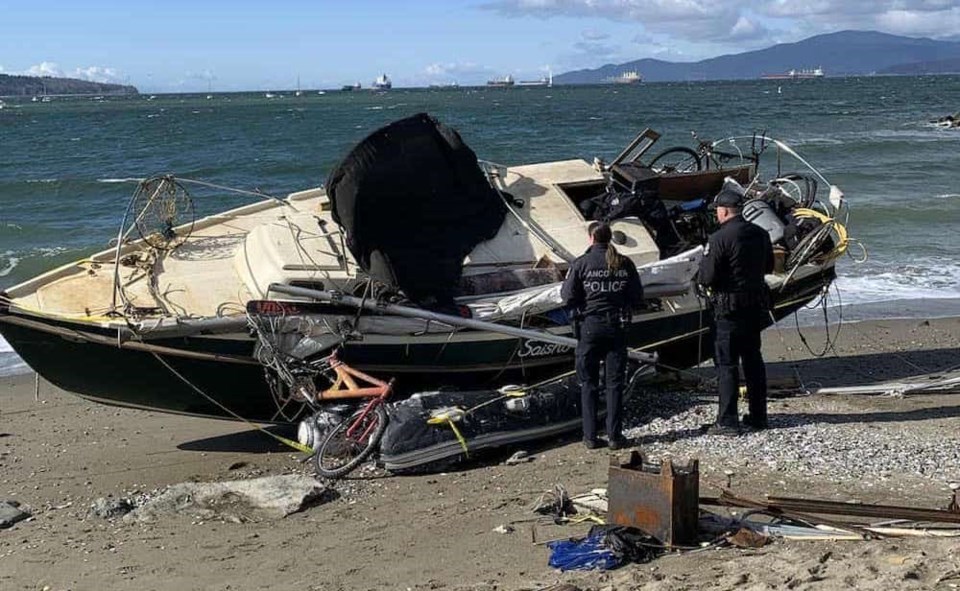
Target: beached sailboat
x=161, y=318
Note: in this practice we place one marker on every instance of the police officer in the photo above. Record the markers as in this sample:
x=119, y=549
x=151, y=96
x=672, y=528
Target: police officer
x=600, y=290
x=736, y=258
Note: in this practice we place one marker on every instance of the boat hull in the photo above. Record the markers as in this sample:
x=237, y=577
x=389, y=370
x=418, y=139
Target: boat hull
x=216, y=375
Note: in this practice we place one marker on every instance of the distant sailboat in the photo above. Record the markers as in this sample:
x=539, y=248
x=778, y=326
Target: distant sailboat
x=298, y=93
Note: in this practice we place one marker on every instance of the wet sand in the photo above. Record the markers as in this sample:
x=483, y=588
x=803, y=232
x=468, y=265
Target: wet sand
x=435, y=531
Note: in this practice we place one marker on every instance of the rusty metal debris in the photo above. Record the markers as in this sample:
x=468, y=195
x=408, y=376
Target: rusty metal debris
x=661, y=499
x=864, y=510
x=747, y=538
x=729, y=499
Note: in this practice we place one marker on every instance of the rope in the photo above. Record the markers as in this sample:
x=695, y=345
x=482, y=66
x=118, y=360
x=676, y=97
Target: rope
x=257, y=193
x=288, y=442
x=449, y=417
x=831, y=342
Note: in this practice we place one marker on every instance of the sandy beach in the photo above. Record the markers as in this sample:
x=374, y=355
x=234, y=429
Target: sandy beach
x=435, y=531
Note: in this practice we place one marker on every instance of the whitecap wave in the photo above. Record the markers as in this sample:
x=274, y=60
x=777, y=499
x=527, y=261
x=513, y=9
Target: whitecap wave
x=50, y=251
x=947, y=196
x=120, y=180
x=924, y=280
x=8, y=263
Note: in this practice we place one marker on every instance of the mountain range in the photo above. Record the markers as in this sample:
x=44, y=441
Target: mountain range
x=845, y=53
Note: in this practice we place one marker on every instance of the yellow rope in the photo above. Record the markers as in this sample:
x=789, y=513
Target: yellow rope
x=842, y=238
x=449, y=417
x=288, y=442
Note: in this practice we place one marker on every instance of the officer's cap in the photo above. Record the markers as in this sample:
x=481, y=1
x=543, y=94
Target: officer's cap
x=728, y=198
x=731, y=195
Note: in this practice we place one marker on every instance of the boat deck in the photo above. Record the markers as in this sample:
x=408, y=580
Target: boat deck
x=232, y=257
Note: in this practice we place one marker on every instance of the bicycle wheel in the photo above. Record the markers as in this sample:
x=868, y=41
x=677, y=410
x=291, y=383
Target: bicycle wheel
x=351, y=442
x=678, y=159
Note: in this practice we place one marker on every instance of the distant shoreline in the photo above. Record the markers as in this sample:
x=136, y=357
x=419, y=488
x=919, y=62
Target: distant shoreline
x=306, y=92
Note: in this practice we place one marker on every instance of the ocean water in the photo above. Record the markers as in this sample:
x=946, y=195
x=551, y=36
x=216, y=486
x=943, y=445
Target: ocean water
x=66, y=166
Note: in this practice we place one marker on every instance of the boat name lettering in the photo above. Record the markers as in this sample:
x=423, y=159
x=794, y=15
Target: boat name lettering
x=538, y=349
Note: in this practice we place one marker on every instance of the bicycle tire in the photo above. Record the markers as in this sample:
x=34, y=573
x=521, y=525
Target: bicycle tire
x=335, y=438
x=692, y=158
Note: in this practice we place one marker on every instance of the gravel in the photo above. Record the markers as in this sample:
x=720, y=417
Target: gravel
x=808, y=436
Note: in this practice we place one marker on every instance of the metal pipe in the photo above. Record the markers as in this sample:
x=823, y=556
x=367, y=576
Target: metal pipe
x=395, y=310
x=863, y=510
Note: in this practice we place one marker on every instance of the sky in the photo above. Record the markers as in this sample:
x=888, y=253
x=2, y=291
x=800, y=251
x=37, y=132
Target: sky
x=218, y=45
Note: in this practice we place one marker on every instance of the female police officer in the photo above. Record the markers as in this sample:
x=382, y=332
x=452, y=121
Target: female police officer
x=600, y=290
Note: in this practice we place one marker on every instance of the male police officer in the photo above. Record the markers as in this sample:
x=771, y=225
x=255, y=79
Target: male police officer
x=600, y=290
x=737, y=257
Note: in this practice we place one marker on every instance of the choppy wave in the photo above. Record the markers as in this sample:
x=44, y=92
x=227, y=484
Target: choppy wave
x=8, y=262
x=924, y=280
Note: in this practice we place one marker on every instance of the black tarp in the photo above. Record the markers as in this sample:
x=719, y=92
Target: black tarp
x=413, y=203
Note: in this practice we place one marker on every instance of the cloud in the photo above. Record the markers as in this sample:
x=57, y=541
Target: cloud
x=747, y=29
x=596, y=49
x=100, y=74
x=692, y=20
x=926, y=18
x=941, y=23
x=97, y=74
x=594, y=35
x=731, y=22
x=44, y=69
x=466, y=72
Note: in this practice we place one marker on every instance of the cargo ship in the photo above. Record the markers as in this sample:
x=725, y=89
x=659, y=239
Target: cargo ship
x=543, y=81
x=382, y=83
x=502, y=82
x=631, y=77
x=795, y=75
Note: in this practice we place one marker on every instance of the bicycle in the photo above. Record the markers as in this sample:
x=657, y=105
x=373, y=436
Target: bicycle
x=292, y=379
x=680, y=159
x=352, y=440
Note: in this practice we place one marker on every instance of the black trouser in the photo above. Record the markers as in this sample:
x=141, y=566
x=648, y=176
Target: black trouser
x=602, y=338
x=738, y=340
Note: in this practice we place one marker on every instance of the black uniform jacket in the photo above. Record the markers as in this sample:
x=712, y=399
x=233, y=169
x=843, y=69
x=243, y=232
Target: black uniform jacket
x=591, y=288
x=737, y=257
